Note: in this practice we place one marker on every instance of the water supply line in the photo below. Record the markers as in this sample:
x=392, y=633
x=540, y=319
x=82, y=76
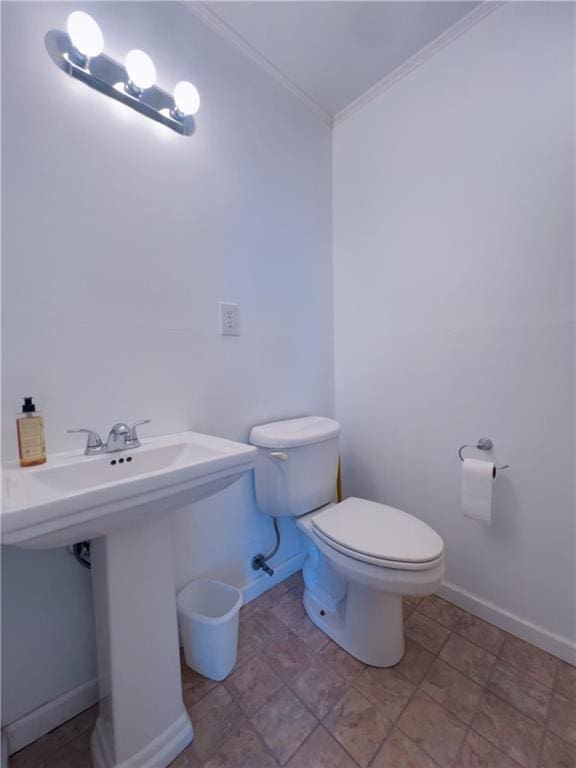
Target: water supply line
x=259, y=561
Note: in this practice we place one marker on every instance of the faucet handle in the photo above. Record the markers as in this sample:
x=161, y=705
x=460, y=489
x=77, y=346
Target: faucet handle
x=94, y=439
x=132, y=428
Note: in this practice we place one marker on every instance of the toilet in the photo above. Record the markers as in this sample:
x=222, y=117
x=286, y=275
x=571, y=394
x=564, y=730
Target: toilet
x=361, y=557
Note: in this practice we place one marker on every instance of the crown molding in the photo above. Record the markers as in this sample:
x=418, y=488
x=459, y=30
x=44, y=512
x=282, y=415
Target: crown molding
x=211, y=19
x=457, y=29
x=206, y=14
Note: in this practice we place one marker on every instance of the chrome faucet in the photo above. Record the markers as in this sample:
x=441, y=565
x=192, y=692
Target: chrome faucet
x=120, y=438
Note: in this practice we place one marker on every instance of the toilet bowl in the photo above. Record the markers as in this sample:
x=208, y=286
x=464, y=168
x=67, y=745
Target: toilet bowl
x=361, y=557
x=366, y=620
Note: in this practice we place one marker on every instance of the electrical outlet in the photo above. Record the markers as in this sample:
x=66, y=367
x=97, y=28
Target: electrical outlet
x=229, y=319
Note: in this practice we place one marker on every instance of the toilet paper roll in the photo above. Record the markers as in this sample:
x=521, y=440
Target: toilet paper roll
x=477, y=480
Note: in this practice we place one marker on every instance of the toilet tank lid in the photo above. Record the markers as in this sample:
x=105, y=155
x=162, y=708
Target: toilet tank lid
x=294, y=432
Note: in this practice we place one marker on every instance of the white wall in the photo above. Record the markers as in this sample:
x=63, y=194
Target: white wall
x=453, y=268
x=119, y=240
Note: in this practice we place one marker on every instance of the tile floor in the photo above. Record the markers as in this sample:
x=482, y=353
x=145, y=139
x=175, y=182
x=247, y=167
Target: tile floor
x=465, y=695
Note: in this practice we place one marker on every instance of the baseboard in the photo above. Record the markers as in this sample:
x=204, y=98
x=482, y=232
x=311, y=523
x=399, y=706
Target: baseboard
x=45, y=718
x=261, y=583
x=557, y=645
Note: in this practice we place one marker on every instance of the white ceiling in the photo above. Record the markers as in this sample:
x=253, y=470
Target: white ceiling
x=335, y=51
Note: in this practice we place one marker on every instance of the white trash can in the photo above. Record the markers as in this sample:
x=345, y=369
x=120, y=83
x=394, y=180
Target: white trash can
x=208, y=615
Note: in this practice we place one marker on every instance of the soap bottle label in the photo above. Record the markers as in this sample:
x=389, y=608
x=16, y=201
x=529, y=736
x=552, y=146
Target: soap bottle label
x=31, y=441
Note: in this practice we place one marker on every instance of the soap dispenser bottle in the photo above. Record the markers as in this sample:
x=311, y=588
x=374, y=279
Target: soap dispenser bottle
x=31, y=440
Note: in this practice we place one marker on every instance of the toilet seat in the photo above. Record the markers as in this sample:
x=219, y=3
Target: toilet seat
x=378, y=534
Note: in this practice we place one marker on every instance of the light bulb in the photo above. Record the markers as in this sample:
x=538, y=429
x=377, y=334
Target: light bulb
x=85, y=34
x=141, y=69
x=186, y=98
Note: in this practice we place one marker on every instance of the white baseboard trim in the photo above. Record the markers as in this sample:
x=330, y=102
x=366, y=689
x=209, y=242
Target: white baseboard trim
x=45, y=718
x=261, y=583
x=559, y=646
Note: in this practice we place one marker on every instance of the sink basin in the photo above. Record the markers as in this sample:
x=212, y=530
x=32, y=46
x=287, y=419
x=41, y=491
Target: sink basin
x=121, y=503
x=74, y=497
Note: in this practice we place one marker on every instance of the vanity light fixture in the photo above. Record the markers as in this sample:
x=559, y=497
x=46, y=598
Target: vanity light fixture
x=79, y=53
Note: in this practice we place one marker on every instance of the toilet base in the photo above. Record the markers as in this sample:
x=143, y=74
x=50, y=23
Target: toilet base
x=367, y=624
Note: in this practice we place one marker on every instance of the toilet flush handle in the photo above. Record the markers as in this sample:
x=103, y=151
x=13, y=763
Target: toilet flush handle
x=280, y=455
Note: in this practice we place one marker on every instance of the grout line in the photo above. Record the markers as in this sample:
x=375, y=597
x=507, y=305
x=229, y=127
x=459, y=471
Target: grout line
x=461, y=748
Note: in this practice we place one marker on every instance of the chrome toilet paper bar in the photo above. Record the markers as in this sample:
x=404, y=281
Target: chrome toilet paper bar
x=484, y=444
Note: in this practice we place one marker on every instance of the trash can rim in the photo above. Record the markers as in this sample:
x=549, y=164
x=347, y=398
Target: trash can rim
x=202, y=616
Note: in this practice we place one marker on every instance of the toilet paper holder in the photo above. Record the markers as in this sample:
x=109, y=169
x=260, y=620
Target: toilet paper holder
x=484, y=444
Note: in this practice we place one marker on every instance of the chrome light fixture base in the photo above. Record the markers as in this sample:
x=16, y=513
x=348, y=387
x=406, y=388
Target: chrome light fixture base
x=108, y=76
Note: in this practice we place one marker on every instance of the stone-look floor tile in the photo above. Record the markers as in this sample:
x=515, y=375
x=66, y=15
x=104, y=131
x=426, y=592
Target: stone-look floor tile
x=565, y=683
x=319, y=687
x=412, y=602
x=359, y=725
x=81, y=724
x=557, y=754
x=288, y=657
x=253, y=684
x=341, y=661
x=284, y=723
x=288, y=608
x=265, y=601
x=468, y=658
x=481, y=633
x=32, y=756
x=247, y=649
x=296, y=582
x=479, y=753
x=263, y=628
x=433, y=728
x=44, y=751
x=314, y=639
x=530, y=659
x=513, y=733
x=408, y=605
x=261, y=603
x=440, y=610
x=321, y=750
x=194, y=686
x=189, y=758
x=216, y=718
x=458, y=693
x=415, y=662
x=387, y=688
x=406, y=610
x=523, y=691
x=242, y=750
x=399, y=751
x=428, y=633
x=74, y=754
x=562, y=718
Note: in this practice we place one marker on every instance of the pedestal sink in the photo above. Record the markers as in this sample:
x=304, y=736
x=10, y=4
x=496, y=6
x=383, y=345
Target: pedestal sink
x=121, y=503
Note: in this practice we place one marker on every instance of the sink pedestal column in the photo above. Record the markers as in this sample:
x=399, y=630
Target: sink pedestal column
x=142, y=722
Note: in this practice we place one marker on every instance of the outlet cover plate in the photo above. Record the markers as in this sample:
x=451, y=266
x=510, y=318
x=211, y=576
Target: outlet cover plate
x=229, y=319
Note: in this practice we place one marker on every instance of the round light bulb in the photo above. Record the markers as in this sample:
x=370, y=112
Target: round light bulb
x=85, y=34
x=186, y=98
x=141, y=69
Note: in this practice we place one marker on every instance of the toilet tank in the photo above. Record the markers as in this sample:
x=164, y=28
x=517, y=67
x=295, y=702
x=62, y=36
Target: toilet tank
x=297, y=465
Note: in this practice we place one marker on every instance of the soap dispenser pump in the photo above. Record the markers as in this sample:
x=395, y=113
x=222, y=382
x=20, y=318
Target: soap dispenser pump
x=31, y=440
